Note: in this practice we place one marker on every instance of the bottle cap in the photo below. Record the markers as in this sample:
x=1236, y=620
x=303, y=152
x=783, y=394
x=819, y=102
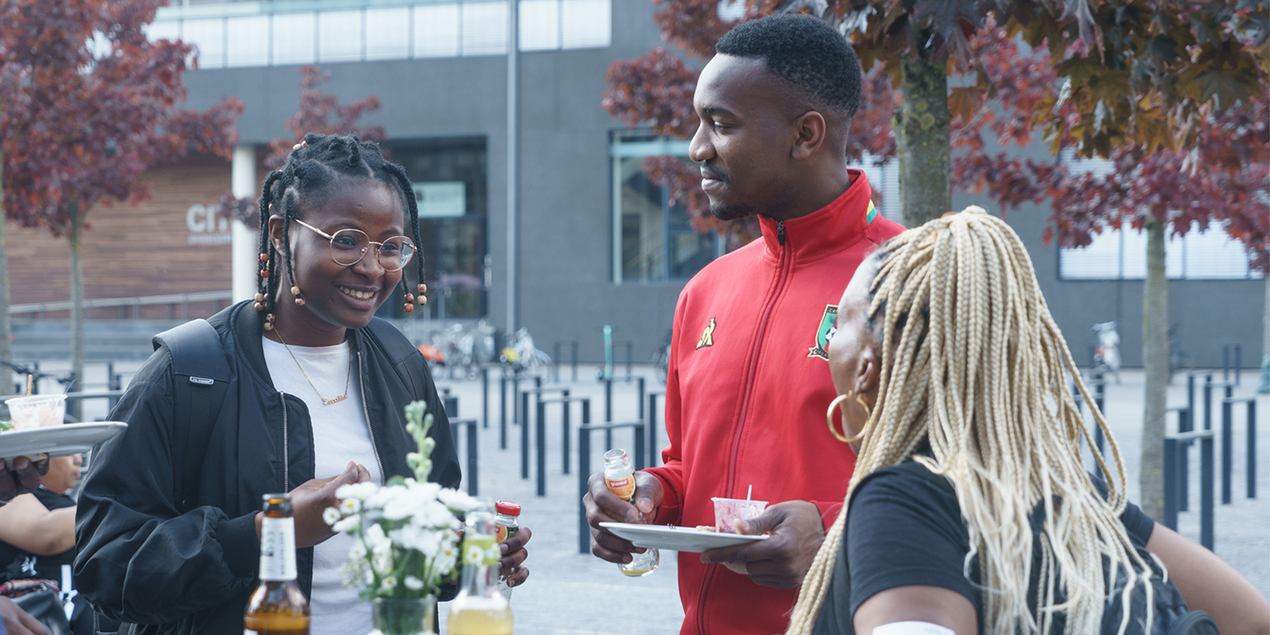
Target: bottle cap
x=507, y=508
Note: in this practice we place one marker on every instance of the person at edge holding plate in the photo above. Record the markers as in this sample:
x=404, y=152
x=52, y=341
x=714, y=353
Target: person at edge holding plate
x=748, y=380
x=315, y=401
x=971, y=510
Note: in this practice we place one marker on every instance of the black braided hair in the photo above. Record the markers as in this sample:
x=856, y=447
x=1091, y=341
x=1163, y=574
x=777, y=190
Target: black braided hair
x=311, y=167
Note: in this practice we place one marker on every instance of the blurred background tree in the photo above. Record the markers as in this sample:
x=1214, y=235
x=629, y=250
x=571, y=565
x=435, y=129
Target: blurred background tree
x=87, y=105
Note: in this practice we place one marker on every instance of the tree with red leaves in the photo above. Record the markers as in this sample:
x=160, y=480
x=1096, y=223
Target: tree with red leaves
x=87, y=104
x=1218, y=178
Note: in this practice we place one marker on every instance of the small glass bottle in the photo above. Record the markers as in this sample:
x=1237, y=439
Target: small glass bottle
x=620, y=477
x=479, y=608
x=507, y=523
x=278, y=606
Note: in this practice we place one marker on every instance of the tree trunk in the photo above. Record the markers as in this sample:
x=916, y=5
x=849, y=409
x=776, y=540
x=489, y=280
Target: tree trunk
x=923, y=140
x=1155, y=360
x=6, y=338
x=77, y=296
x=1265, y=339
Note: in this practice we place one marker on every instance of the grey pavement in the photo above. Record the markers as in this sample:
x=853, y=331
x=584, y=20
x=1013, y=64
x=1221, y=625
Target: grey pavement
x=568, y=592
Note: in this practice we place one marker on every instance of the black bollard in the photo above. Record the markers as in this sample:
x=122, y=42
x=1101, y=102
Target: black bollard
x=502, y=410
x=564, y=431
x=652, y=429
x=1227, y=447
x=524, y=436
x=1171, y=482
x=485, y=398
x=608, y=412
x=584, y=473
x=540, y=432
x=1251, y=485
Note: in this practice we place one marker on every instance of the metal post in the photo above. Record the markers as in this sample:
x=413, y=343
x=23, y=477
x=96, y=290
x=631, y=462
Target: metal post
x=502, y=409
x=451, y=405
x=524, y=436
x=540, y=431
x=652, y=429
x=517, y=414
x=574, y=345
x=1251, y=485
x=640, y=448
x=630, y=358
x=1185, y=423
x=1190, y=396
x=1206, y=492
x=1208, y=402
x=608, y=412
x=640, y=389
x=472, y=462
x=1171, y=455
x=513, y=160
x=485, y=398
x=1227, y=449
x=564, y=431
x=1238, y=362
x=1225, y=363
x=584, y=472
x=555, y=368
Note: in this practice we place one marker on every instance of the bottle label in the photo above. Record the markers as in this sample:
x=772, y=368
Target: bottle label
x=503, y=532
x=277, y=549
x=248, y=631
x=480, y=550
x=623, y=488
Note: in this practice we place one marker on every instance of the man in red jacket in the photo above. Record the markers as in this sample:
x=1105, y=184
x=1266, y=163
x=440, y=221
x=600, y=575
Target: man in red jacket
x=749, y=384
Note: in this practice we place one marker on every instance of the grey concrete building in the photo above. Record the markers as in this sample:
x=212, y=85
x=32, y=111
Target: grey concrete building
x=597, y=245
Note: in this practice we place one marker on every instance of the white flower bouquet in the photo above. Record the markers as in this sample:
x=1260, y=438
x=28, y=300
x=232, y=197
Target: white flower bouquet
x=406, y=533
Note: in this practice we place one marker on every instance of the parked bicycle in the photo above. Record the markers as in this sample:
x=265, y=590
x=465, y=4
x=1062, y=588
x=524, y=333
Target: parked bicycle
x=524, y=357
x=33, y=371
x=661, y=358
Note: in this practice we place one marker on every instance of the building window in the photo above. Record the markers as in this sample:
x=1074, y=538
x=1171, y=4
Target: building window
x=241, y=34
x=1122, y=255
x=652, y=239
x=449, y=178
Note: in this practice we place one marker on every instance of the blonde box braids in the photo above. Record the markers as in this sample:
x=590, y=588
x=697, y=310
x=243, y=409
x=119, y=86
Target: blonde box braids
x=973, y=361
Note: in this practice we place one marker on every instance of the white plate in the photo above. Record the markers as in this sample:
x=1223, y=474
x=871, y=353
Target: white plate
x=63, y=440
x=676, y=538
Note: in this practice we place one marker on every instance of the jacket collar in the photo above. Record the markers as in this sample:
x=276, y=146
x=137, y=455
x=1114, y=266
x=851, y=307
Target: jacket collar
x=827, y=230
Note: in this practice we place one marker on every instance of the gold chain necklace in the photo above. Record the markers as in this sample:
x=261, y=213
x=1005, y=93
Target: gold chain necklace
x=325, y=401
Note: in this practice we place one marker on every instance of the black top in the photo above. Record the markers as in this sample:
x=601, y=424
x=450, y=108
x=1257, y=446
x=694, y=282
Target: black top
x=142, y=560
x=16, y=564
x=905, y=528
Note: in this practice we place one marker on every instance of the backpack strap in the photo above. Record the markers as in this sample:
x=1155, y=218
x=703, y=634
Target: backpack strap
x=200, y=381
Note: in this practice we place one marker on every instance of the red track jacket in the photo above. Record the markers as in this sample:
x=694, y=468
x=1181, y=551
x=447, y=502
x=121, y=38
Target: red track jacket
x=747, y=393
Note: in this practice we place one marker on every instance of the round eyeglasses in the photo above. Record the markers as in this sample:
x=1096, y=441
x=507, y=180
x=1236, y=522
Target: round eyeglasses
x=349, y=246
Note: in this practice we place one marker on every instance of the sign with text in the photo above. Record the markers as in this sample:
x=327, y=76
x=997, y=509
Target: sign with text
x=441, y=199
x=206, y=226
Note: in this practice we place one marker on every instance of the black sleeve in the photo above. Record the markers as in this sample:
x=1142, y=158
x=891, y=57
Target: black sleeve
x=139, y=559
x=904, y=529
x=1138, y=525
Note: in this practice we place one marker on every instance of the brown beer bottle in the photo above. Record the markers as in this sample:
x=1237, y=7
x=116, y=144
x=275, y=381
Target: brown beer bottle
x=278, y=606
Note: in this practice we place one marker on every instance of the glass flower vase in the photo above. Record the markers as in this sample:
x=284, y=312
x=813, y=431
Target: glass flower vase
x=404, y=617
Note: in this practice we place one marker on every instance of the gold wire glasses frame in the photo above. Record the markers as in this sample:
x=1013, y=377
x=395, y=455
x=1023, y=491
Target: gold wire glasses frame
x=349, y=246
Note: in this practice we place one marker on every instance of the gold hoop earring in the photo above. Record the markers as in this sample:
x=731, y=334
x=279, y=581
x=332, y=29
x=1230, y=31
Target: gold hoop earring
x=833, y=405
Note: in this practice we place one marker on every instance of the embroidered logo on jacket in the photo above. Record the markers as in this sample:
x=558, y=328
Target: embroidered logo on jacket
x=824, y=332
x=707, y=338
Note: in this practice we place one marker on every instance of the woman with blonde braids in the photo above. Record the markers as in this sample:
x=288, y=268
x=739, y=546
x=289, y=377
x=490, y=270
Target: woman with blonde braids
x=970, y=510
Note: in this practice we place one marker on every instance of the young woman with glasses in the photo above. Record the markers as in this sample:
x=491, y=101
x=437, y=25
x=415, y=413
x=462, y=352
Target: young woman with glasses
x=315, y=401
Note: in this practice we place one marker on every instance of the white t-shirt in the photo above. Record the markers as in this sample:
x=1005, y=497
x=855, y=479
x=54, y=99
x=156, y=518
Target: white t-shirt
x=340, y=435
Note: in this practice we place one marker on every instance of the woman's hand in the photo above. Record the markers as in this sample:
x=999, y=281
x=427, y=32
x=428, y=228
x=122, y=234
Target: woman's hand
x=309, y=500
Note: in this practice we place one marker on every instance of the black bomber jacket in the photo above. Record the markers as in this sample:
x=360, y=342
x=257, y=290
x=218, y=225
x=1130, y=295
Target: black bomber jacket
x=141, y=561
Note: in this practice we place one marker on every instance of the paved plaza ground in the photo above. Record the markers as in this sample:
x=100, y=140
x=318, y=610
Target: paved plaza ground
x=571, y=593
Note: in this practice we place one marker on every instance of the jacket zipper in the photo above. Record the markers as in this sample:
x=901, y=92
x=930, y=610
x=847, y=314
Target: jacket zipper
x=782, y=277
x=286, y=453
x=361, y=382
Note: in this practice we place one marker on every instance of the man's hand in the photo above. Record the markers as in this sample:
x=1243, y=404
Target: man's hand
x=783, y=559
x=19, y=622
x=309, y=500
x=514, y=553
x=20, y=475
x=603, y=506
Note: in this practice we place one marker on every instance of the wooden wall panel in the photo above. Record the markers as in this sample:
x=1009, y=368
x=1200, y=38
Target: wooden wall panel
x=128, y=250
